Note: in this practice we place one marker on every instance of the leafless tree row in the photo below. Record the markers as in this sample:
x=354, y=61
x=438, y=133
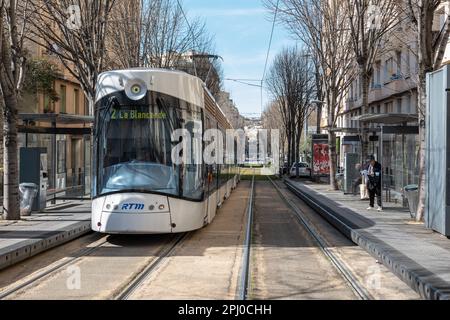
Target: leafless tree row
x=291, y=83
x=321, y=27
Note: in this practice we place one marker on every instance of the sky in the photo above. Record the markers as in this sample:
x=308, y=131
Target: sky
x=242, y=32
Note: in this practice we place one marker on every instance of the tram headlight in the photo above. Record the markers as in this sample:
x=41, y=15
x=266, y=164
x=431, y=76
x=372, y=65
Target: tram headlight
x=136, y=89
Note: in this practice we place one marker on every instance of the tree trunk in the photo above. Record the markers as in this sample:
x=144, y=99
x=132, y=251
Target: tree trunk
x=333, y=164
x=11, y=200
x=421, y=88
x=365, y=83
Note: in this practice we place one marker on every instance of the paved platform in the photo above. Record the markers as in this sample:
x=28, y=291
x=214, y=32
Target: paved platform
x=418, y=256
x=57, y=225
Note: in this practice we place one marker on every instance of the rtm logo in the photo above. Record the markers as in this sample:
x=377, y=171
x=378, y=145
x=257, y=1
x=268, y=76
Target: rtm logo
x=133, y=206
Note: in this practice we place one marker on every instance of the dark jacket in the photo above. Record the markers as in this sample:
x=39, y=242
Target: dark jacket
x=375, y=180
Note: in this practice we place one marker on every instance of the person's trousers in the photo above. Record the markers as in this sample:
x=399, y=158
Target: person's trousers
x=372, y=193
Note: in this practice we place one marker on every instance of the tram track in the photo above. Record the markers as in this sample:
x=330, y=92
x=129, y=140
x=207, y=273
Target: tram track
x=125, y=291
x=57, y=268
x=338, y=264
x=134, y=285
x=245, y=271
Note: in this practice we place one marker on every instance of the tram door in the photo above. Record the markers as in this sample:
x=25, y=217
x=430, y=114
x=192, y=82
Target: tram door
x=211, y=176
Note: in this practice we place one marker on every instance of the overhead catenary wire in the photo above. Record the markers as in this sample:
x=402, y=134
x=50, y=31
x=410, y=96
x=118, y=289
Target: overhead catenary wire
x=191, y=32
x=268, y=54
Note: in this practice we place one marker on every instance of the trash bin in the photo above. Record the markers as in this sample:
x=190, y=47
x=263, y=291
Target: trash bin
x=412, y=195
x=28, y=193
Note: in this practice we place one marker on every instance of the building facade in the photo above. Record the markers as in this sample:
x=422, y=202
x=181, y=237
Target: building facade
x=390, y=127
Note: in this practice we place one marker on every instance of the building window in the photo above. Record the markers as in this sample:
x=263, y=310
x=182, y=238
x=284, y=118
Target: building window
x=399, y=64
x=86, y=107
x=63, y=101
x=408, y=105
x=76, y=101
x=389, y=107
x=408, y=61
x=378, y=109
x=378, y=73
x=389, y=69
x=46, y=103
x=360, y=88
x=399, y=105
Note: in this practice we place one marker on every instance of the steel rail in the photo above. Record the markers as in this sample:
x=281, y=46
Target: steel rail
x=41, y=276
x=245, y=271
x=139, y=279
x=339, y=265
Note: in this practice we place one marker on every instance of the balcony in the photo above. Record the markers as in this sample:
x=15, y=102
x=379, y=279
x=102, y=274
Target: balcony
x=375, y=92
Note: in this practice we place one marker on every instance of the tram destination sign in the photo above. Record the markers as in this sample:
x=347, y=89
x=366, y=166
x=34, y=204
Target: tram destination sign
x=137, y=115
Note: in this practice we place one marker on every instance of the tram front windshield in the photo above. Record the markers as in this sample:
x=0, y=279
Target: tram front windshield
x=134, y=151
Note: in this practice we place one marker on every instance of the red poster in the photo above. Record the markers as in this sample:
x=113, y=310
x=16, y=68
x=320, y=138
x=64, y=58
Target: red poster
x=321, y=159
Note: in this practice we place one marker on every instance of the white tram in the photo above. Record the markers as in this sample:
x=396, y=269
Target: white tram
x=136, y=186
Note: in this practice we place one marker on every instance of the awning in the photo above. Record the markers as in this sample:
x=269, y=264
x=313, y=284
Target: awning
x=387, y=118
x=354, y=130
x=350, y=140
x=56, y=118
x=71, y=124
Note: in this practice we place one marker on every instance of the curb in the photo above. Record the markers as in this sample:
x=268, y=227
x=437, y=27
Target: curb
x=32, y=247
x=415, y=281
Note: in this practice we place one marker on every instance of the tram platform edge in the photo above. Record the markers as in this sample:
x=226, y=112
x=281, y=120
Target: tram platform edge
x=20, y=240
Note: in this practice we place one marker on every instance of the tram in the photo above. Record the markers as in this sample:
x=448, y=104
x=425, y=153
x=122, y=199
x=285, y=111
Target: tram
x=137, y=188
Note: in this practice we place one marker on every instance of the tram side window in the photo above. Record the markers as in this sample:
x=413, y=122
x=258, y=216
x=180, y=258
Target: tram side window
x=193, y=170
x=224, y=168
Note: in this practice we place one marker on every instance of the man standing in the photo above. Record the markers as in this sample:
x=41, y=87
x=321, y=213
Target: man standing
x=374, y=183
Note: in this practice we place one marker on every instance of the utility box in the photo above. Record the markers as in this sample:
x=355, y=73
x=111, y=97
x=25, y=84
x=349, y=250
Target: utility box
x=437, y=207
x=33, y=169
x=351, y=173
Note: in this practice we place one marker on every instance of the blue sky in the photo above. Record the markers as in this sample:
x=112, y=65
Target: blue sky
x=242, y=31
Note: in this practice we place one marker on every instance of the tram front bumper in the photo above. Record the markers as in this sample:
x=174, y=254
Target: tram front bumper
x=119, y=223
x=131, y=214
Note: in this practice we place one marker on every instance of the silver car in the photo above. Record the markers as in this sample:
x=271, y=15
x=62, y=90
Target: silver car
x=303, y=169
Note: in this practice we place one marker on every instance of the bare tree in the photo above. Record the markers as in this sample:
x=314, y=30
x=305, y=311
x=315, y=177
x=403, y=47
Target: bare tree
x=124, y=45
x=291, y=83
x=161, y=36
x=13, y=27
x=321, y=26
x=74, y=31
x=369, y=21
x=432, y=43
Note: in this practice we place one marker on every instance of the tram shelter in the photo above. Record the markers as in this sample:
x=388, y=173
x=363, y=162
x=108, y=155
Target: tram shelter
x=67, y=140
x=396, y=146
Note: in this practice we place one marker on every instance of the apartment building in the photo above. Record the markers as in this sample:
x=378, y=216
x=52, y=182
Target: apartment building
x=231, y=111
x=391, y=124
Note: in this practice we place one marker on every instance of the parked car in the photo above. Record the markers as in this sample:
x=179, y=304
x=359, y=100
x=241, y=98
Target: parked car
x=303, y=169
